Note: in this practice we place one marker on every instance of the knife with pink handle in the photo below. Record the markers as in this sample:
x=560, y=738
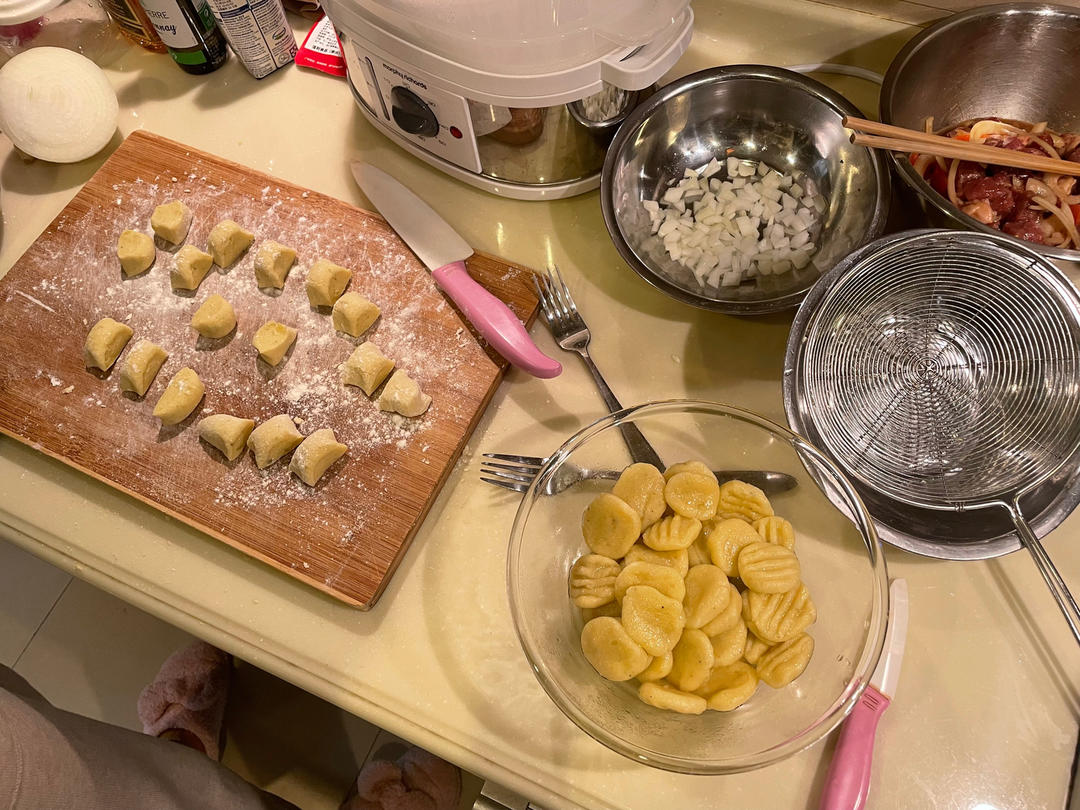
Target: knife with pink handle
x=440, y=248
x=848, y=781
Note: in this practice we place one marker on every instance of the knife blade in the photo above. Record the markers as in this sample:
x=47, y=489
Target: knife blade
x=847, y=784
x=443, y=252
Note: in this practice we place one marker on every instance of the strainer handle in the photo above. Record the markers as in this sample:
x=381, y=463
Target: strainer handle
x=1046, y=567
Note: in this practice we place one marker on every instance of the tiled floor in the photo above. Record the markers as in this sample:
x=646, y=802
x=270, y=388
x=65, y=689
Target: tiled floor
x=91, y=653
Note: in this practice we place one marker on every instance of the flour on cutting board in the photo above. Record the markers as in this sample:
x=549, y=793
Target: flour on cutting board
x=307, y=385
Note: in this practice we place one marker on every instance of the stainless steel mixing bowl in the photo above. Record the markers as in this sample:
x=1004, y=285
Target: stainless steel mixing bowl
x=1015, y=60
x=750, y=112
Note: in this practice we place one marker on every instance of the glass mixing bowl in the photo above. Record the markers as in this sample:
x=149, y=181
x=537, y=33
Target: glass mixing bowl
x=842, y=565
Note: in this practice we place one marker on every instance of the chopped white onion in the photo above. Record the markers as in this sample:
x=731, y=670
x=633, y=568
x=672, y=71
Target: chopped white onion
x=757, y=222
x=56, y=105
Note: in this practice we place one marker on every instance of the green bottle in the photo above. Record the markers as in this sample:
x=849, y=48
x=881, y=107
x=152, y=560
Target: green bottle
x=188, y=29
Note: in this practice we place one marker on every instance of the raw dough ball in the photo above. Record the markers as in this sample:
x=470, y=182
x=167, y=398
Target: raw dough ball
x=672, y=533
x=171, y=221
x=272, y=341
x=272, y=264
x=611, y=651
x=353, y=314
x=315, y=454
x=190, y=266
x=728, y=617
x=693, y=494
x=768, y=568
x=642, y=486
x=326, y=282
x=136, y=252
x=659, y=668
x=662, y=577
x=730, y=686
x=227, y=241
x=141, y=366
x=741, y=500
x=725, y=539
x=729, y=646
x=226, y=433
x=699, y=467
x=677, y=559
x=272, y=439
x=779, y=617
x=104, y=342
x=180, y=397
x=403, y=395
x=610, y=525
x=777, y=530
x=692, y=660
x=707, y=594
x=780, y=665
x=366, y=367
x=653, y=620
x=215, y=318
x=666, y=696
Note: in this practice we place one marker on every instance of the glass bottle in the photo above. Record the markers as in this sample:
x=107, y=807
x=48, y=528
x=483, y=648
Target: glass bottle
x=190, y=34
x=134, y=24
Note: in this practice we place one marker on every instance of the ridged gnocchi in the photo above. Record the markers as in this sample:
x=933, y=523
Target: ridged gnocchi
x=692, y=588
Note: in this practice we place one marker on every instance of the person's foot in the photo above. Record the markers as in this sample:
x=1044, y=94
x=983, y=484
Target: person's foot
x=185, y=702
x=418, y=780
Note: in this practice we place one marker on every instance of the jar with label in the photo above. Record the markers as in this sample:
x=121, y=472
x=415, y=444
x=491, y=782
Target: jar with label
x=258, y=32
x=189, y=32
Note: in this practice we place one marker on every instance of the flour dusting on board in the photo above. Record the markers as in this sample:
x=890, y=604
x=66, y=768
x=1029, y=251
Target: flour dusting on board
x=366, y=506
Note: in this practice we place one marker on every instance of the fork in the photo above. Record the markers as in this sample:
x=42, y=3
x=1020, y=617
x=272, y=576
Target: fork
x=518, y=472
x=572, y=334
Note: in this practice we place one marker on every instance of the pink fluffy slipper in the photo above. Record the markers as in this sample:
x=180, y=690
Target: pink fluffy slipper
x=418, y=780
x=188, y=696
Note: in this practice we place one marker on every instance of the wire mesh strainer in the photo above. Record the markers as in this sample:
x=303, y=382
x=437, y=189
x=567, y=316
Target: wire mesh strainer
x=942, y=370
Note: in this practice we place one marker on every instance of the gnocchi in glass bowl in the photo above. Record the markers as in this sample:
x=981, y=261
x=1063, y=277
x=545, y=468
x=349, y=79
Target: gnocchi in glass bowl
x=841, y=560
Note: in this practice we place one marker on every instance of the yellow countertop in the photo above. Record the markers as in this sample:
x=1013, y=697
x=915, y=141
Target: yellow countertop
x=986, y=711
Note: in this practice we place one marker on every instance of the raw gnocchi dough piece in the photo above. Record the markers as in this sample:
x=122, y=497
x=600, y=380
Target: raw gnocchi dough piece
x=653, y=620
x=326, y=282
x=699, y=467
x=698, y=552
x=642, y=486
x=214, y=318
x=592, y=580
x=731, y=686
x=402, y=395
x=136, y=252
x=728, y=617
x=707, y=594
x=662, y=577
x=180, y=397
x=671, y=533
x=227, y=242
x=610, y=525
x=658, y=669
x=785, y=662
x=353, y=314
x=779, y=617
x=226, y=432
x=141, y=366
x=692, y=660
x=610, y=609
x=741, y=500
x=272, y=340
x=775, y=529
x=366, y=367
x=611, y=650
x=768, y=568
x=729, y=646
x=104, y=342
x=676, y=558
x=755, y=648
x=190, y=266
x=273, y=261
x=273, y=439
x=725, y=539
x=315, y=454
x=171, y=221
x=692, y=494
x=665, y=696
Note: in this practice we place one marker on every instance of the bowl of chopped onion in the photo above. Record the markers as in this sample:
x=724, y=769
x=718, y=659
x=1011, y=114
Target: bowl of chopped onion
x=734, y=189
x=1002, y=76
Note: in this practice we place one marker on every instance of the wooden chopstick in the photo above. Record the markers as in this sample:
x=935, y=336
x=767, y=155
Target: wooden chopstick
x=898, y=139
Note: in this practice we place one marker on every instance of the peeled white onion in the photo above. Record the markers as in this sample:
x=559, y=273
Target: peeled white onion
x=56, y=105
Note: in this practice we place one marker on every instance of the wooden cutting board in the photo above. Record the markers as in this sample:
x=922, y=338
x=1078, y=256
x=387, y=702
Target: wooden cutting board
x=346, y=535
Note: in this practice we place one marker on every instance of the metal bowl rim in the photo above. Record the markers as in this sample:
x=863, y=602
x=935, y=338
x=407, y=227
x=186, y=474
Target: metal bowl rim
x=726, y=73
